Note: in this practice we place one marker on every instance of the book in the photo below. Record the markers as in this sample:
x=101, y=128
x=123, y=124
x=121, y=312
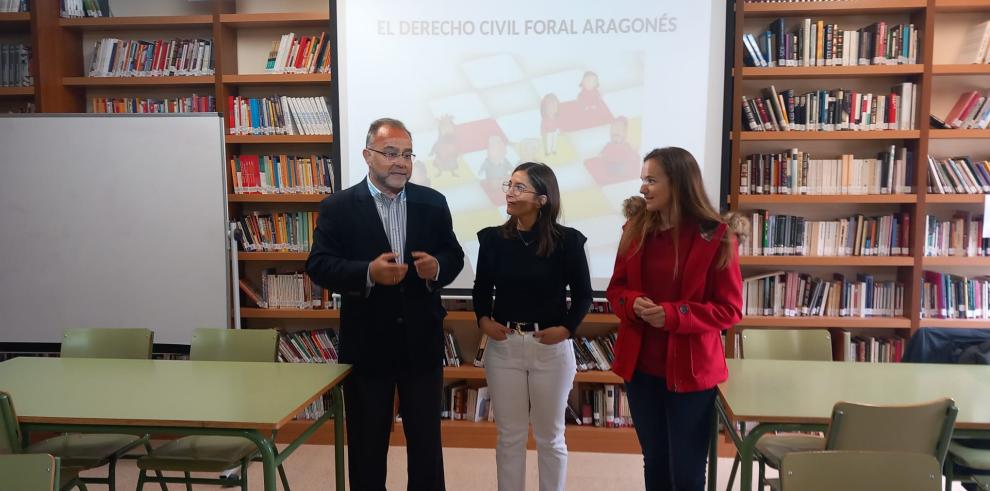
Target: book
x=251, y=293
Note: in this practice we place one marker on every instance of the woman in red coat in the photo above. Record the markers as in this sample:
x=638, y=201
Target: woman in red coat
x=675, y=288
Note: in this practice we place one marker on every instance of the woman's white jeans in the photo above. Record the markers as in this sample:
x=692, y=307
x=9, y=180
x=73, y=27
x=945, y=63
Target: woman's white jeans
x=529, y=383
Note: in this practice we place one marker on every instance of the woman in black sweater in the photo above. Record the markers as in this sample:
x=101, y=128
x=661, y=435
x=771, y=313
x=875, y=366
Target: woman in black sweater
x=528, y=263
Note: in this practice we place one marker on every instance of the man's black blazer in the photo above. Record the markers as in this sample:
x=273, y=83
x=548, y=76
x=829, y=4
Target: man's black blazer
x=391, y=328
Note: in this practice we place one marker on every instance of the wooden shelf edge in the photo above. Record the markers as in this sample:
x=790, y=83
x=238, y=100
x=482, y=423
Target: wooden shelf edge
x=955, y=198
x=960, y=6
x=276, y=78
x=833, y=8
x=961, y=69
x=940, y=134
x=757, y=199
x=138, y=22
x=824, y=322
x=272, y=256
x=756, y=73
x=830, y=135
x=956, y=323
x=889, y=261
x=138, y=81
x=935, y=261
x=15, y=17
x=279, y=139
x=256, y=313
x=276, y=198
x=16, y=91
x=276, y=19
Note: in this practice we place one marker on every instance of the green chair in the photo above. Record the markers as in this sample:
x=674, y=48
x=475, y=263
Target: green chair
x=100, y=342
x=859, y=471
x=784, y=344
x=92, y=450
x=214, y=454
x=921, y=428
x=21, y=471
x=963, y=454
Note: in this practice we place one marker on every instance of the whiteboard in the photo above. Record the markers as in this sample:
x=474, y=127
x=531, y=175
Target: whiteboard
x=112, y=221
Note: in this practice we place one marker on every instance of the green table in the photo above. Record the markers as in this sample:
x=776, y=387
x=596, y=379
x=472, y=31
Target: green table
x=250, y=400
x=799, y=395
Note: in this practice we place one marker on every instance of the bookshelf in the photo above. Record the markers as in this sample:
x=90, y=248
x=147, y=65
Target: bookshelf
x=938, y=79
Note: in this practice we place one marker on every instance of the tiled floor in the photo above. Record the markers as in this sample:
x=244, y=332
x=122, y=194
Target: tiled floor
x=310, y=468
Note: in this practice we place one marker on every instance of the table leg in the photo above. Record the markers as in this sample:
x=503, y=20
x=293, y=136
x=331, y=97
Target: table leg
x=266, y=448
x=338, y=435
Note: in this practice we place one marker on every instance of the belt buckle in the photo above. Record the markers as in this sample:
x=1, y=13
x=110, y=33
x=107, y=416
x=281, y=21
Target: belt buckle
x=517, y=327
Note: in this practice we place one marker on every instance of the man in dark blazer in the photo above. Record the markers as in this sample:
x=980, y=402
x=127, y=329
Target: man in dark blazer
x=387, y=246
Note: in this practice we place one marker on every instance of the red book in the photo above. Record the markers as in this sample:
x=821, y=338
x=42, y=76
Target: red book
x=960, y=108
x=301, y=53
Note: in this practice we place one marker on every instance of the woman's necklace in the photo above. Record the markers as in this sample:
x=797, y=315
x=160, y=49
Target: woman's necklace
x=523, y=240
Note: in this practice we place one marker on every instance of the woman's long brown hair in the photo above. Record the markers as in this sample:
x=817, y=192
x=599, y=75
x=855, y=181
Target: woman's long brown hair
x=548, y=232
x=687, y=200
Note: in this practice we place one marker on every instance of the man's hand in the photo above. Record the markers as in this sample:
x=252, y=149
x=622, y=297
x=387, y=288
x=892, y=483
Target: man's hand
x=427, y=266
x=493, y=329
x=552, y=335
x=385, y=271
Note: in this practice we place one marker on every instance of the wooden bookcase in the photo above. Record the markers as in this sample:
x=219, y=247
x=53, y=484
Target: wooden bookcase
x=939, y=23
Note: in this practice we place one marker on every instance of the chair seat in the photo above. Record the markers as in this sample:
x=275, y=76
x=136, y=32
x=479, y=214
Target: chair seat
x=198, y=454
x=85, y=450
x=774, y=447
x=983, y=482
x=974, y=458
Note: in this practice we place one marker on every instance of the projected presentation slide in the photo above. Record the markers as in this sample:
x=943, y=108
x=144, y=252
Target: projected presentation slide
x=586, y=87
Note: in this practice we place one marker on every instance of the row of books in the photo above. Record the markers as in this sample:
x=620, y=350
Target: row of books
x=594, y=353
x=279, y=115
x=793, y=294
x=962, y=236
x=153, y=105
x=831, y=110
x=788, y=235
x=19, y=107
x=971, y=110
x=85, y=8
x=815, y=43
x=976, y=44
x=292, y=290
x=317, y=409
x=604, y=405
x=464, y=403
x=317, y=346
x=114, y=57
x=299, y=54
x=796, y=172
x=452, y=356
x=873, y=349
x=958, y=175
x=14, y=6
x=949, y=296
x=282, y=174
x=290, y=231
x=15, y=65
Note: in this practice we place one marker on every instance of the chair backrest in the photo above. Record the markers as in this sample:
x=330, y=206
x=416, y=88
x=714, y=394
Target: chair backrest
x=922, y=428
x=787, y=344
x=10, y=430
x=101, y=342
x=28, y=472
x=859, y=471
x=234, y=345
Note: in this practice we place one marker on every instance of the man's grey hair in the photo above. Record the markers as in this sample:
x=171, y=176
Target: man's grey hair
x=378, y=123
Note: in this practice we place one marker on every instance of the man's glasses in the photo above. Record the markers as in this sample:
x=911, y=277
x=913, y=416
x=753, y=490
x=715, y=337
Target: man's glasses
x=394, y=156
x=515, y=189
